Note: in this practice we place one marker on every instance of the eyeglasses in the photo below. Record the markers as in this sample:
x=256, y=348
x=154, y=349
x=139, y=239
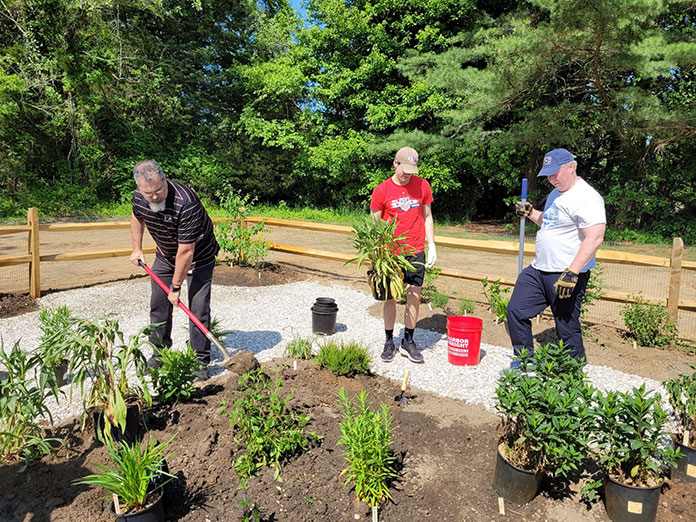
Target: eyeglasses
x=153, y=193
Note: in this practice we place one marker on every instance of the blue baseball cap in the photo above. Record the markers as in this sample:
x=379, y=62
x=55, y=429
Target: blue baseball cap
x=553, y=161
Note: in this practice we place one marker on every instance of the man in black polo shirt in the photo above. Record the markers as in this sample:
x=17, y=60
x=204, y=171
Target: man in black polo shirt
x=186, y=249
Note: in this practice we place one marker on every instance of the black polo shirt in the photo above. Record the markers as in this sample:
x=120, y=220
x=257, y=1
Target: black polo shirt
x=183, y=221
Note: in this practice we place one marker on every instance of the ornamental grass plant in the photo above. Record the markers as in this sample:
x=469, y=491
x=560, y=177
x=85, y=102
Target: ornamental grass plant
x=345, y=358
x=374, y=241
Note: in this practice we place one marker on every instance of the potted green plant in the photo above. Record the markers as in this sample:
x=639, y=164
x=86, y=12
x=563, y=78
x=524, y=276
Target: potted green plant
x=629, y=436
x=682, y=397
x=103, y=355
x=546, y=421
x=135, y=478
x=376, y=245
x=55, y=348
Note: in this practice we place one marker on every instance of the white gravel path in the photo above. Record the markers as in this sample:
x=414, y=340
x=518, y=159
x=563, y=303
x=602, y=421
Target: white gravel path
x=264, y=319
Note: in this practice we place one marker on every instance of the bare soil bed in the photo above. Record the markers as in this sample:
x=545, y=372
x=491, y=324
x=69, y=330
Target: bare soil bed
x=445, y=448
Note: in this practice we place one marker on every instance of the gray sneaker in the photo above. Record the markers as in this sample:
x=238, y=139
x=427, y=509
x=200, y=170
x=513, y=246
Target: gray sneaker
x=410, y=350
x=389, y=350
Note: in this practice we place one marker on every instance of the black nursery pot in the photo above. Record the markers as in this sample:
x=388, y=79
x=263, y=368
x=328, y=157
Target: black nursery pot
x=631, y=504
x=686, y=466
x=153, y=513
x=324, y=314
x=132, y=425
x=378, y=291
x=513, y=484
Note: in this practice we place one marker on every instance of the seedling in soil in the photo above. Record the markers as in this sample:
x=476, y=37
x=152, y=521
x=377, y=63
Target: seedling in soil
x=299, y=348
x=366, y=435
x=266, y=424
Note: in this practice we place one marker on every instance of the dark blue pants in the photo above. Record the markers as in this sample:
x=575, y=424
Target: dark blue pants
x=532, y=294
x=198, y=286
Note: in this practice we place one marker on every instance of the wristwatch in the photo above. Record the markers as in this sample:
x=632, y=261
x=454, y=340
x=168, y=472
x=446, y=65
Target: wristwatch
x=175, y=288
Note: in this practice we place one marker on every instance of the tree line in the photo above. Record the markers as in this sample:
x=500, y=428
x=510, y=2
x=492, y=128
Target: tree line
x=252, y=97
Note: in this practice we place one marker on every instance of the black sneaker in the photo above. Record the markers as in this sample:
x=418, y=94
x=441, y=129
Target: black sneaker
x=410, y=350
x=389, y=350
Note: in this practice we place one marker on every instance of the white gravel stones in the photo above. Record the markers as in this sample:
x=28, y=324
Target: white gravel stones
x=264, y=319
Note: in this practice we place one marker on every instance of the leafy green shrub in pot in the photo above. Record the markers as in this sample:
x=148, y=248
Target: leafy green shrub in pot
x=366, y=434
x=682, y=397
x=266, y=424
x=346, y=359
x=136, y=474
x=55, y=347
x=631, y=449
x=173, y=380
x=376, y=245
x=103, y=355
x=649, y=323
x=547, y=413
x=23, y=396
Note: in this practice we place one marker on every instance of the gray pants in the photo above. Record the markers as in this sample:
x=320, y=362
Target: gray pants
x=198, y=285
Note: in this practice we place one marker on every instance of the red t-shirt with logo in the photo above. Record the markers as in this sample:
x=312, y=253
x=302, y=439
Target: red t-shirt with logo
x=405, y=203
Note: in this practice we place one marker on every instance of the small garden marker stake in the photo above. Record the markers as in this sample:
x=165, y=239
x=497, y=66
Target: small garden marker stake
x=501, y=505
x=117, y=507
x=374, y=514
x=686, y=438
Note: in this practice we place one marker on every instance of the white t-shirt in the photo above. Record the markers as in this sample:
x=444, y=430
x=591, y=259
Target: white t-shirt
x=565, y=215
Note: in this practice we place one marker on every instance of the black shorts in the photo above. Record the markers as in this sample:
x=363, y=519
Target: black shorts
x=415, y=277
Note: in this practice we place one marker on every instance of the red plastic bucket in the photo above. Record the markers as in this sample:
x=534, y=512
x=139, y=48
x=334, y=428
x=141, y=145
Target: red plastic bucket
x=463, y=340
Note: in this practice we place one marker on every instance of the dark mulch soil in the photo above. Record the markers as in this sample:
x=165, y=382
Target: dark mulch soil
x=266, y=275
x=444, y=449
x=16, y=304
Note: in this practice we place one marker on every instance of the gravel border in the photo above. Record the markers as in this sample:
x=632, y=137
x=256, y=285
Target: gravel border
x=264, y=319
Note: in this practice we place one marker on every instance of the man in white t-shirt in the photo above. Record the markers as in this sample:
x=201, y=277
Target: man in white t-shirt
x=572, y=229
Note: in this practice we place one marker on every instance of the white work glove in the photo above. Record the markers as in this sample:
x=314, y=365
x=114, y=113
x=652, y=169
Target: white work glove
x=432, y=256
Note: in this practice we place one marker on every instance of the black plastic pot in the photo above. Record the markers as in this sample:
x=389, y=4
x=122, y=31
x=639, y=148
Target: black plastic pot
x=631, y=504
x=378, y=291
x=153, y=513
x=60, y=371
x=324, y=314
x=132, y=426
x=513, y=484
x=686, y=466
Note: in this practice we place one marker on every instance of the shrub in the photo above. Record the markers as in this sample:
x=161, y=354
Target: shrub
x=173, y=380
x=496, y=297
x=547, y=414
x=649, y=324
x=682, y=397
x=345, y=359
x=265, y=423
x=429, y=289
x=299, y=348
x=466, y=306
x=629, y=431
x=243, y=244
x=366, y=435
x=22, y=403
x=439, y=300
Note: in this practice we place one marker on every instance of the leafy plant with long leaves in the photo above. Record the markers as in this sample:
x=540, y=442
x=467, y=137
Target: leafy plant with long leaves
x=135, y=475
x=266, y=424
x=547, y=412
x=495, y=294
x=366, y=434
x=55, y=346
x=682, y=397
x=244, y=245
x=23, y=396
x=103, y=354
x=173, y=380
x=376, y=245
x=629, y=435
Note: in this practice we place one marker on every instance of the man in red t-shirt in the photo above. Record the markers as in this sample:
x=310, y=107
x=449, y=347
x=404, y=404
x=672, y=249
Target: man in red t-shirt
x=407, y=199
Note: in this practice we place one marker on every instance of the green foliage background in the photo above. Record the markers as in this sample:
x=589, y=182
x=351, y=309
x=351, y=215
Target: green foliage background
x=310, y=110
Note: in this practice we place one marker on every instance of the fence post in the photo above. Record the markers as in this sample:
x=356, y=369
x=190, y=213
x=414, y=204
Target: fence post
x=34, y=268
x=675, y=279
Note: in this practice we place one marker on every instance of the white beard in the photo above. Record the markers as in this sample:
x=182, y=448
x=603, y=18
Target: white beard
x=157, y=207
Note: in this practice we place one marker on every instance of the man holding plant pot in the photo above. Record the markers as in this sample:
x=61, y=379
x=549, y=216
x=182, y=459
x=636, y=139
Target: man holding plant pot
x=572, y=229
x=186, y=249
x=406, y=198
